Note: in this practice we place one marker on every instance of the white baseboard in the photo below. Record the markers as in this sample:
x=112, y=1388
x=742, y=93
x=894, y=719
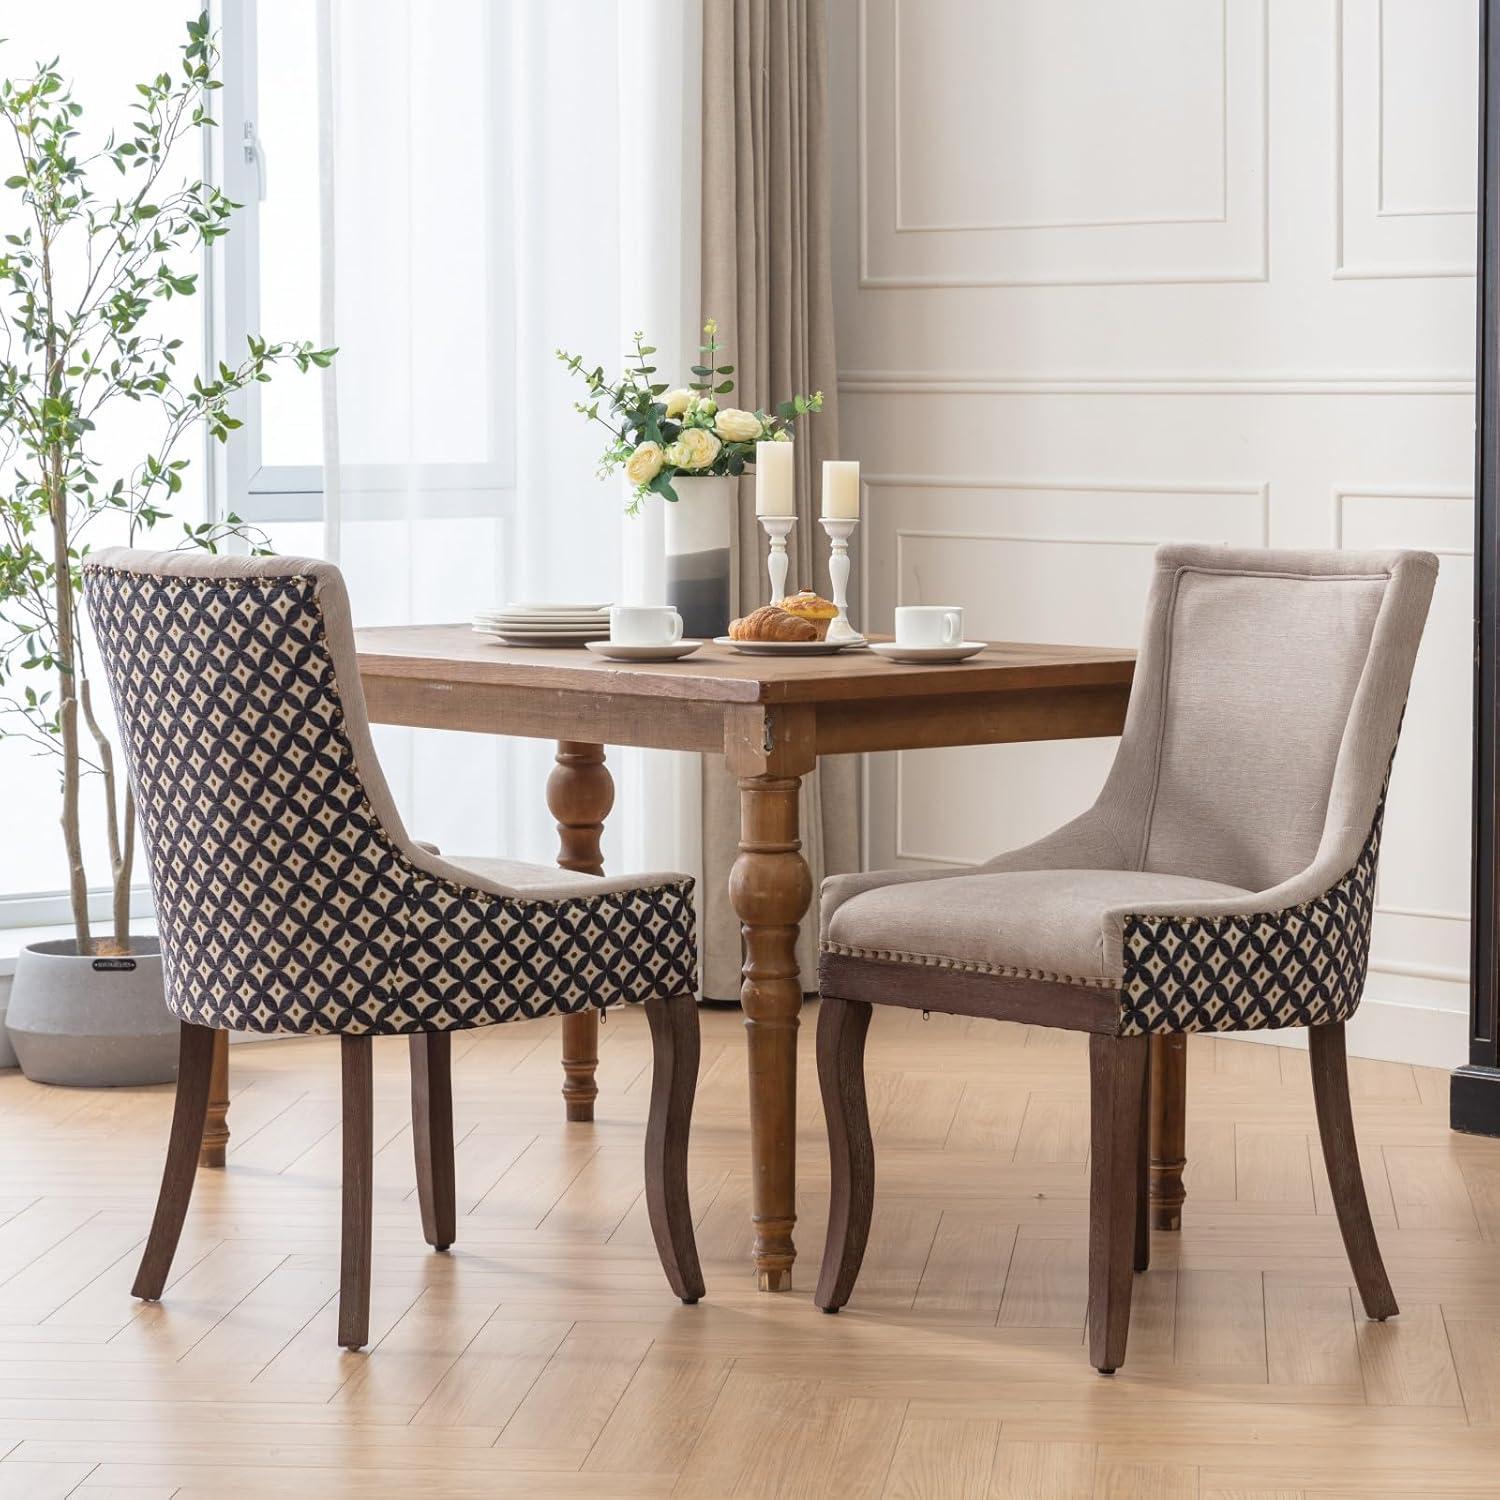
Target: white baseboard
x=1392, y=1032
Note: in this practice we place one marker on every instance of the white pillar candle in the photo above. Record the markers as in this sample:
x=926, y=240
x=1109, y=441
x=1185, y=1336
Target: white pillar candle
x=841, y=489
x=775, y=490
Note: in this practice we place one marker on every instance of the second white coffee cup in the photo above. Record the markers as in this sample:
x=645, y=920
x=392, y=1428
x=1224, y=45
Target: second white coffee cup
x=929, y=625
x=644, y=625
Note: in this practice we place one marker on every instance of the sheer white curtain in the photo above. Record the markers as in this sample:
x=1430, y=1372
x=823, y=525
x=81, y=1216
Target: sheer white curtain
x=498, y=180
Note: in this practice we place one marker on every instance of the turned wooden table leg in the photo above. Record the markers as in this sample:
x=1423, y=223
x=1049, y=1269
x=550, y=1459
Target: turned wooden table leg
x=580, y=793
x=770, y=888
x=216, y=1127
x=1168, y=1129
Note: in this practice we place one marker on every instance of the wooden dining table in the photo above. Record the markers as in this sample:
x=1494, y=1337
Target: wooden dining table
x=771, y=718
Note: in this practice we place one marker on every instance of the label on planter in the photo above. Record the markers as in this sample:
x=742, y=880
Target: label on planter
x=114, y=965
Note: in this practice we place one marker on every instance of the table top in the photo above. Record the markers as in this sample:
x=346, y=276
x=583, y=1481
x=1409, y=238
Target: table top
x=719, y=674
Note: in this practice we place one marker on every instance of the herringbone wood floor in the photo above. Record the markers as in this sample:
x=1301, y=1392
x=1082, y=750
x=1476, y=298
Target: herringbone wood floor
x=544, y=1356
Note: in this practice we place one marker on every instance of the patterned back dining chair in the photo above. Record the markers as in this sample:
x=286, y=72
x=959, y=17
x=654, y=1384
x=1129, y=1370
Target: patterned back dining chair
x=290, y=899
x=1223, y=881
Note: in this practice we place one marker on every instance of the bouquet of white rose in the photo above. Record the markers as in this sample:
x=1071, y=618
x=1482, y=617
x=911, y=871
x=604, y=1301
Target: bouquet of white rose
x=658, y=433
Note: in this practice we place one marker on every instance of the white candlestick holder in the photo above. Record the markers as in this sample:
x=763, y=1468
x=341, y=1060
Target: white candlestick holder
x=839, y=530
x=777, y=528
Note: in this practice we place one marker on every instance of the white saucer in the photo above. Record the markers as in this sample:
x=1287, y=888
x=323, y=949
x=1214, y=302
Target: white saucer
x=615, y=651
x=789, y=648
x=917, y=656
x=540, y=638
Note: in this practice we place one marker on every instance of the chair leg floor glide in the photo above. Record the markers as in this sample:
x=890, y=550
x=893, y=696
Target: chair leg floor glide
x=189, y=1112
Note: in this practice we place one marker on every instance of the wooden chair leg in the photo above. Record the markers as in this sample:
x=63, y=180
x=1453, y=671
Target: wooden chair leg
x=356, y=1057
x=842, y=1028
x=1330, y=1079
x=432, y=1135
x=1143, y=1181
x=1117, y=1068
x=195, y=1055
x=674, y=1085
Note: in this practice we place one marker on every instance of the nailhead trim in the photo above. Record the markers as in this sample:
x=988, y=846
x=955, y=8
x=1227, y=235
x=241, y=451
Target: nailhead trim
x=937, y=961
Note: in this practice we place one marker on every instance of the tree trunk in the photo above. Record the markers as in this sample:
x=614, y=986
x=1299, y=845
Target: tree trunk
x=78, y=886
x=118, y=834
x=124, y=870
x=66, y=659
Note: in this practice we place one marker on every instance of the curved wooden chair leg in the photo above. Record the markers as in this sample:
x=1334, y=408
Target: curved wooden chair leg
x=195, y=1056
x=356, y=1059
x=1117, y=1069
x=1330, y=1079
x=432, y=1135
x=1143, y=1180
x=674, y=1084
x=842, y=1028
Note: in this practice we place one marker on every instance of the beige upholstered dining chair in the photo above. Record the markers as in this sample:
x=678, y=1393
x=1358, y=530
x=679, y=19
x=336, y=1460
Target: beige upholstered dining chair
x=1223, y=881
x=291, y=900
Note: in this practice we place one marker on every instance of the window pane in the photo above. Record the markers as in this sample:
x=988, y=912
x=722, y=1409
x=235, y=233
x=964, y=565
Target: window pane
x=104, y=48
x=287, y=125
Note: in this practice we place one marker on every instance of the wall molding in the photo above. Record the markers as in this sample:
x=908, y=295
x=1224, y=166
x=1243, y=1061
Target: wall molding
x=1258, y=492
x=1342, y=493
x=1343, y=268
x=1257, y=270
x=1313, y=383
x=897, y=161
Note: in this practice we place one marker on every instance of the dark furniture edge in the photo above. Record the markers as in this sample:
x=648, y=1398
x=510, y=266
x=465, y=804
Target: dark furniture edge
x=1474, y=1093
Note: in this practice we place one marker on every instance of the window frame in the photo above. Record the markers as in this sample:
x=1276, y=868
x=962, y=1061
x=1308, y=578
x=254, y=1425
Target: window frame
x=263, y=493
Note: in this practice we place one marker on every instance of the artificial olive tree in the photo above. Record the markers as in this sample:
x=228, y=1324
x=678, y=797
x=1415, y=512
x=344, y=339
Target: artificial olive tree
x=97, y=239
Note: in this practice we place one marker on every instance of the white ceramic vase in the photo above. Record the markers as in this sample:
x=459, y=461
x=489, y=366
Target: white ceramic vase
x=700, y=527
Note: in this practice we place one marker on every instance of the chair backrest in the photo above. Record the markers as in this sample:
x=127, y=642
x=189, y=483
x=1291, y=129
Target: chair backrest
x=268, y=826
x=1267, y=701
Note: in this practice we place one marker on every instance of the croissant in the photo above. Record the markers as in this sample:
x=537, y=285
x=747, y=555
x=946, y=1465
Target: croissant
x=768, y=623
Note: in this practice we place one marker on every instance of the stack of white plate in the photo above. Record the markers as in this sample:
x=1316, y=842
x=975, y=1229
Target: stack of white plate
x=545, y=624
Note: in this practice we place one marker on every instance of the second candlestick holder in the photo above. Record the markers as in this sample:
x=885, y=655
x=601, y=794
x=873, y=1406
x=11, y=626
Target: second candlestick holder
x=839, y=530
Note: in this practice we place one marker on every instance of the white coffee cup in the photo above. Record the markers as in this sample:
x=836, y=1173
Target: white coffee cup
x=644, y=625
x=929, y=625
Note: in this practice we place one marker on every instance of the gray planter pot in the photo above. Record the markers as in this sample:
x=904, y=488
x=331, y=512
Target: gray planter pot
x=92, y=1022
x=7, y=1052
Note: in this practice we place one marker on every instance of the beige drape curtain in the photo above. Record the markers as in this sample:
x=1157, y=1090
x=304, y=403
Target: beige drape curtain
x=766, y=277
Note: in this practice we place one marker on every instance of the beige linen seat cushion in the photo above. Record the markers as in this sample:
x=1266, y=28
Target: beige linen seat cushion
x=1033, y=924
x=518, y=875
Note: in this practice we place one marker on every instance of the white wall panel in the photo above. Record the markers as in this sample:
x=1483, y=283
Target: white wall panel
x=983, y=163
x=1110, y=275
x=1408, y=128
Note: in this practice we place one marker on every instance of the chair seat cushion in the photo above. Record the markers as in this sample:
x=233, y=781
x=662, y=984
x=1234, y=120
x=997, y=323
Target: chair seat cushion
x=1039, y=924
x=517, y=873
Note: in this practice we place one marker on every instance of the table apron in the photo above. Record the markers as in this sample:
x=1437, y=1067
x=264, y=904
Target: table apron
x=841, y=728
x=546, y=713
x=970, y=719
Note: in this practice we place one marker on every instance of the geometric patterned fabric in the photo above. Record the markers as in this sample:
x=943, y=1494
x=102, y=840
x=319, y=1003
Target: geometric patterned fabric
x=1301, y=966
x=283, y=904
